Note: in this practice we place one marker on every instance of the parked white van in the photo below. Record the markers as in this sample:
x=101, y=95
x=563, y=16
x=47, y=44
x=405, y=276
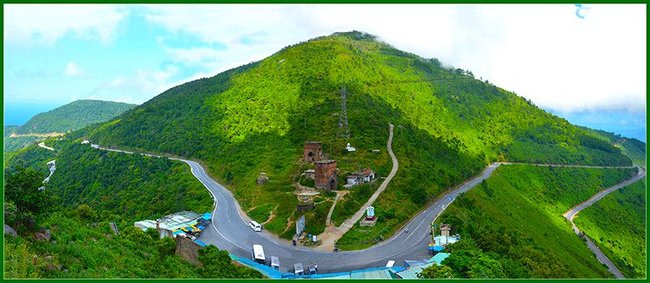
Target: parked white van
x=258, y=254
x=255, y=226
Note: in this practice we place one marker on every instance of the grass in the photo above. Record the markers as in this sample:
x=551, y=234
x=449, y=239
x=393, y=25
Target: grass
x=617, y=224
x=352, y=202
x=517, y=216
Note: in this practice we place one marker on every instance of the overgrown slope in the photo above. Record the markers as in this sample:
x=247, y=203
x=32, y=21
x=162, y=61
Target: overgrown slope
x=617, y=224
x=515, y=218
x=631, y=147
x=255, y=119
x=90, y=189
x=121, y=187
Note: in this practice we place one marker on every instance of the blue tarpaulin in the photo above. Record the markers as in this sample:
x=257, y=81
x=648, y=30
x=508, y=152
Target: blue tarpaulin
x=207, y=216
x=436, y=248
x=201, y=243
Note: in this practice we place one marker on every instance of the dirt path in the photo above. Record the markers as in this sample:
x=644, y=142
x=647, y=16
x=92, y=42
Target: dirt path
x=331, y=233
x=339, y=194
x=571, y=214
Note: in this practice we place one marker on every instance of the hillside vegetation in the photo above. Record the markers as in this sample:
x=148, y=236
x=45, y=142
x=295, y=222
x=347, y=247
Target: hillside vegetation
x=617, y=224
x=13, y=144
x=632, y=148
x=90, y=189
x=69, y=117
x=513, y=223
x=255, y=119
x=73, y=116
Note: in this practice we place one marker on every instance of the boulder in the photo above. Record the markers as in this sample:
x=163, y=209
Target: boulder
x=43, y=235
x=10, y=231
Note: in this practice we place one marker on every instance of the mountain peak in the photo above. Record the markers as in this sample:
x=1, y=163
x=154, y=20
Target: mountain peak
x=356, y=35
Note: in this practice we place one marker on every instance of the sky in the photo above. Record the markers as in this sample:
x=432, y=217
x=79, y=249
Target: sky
x=586, y=64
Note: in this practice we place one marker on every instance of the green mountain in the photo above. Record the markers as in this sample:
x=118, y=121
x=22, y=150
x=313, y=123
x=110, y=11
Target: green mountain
x=255, y=118
x=73, y=116
x=69, y=117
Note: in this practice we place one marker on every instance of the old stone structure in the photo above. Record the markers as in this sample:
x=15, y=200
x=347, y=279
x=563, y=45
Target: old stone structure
x=305, y=203
x=325, y=174
x=312, y=151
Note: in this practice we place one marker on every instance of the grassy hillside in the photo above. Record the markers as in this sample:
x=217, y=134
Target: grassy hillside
x=89, y=189
x=120, y=187
x=515, y=218
x=632, y=148
x=84, y=251
x=73, y=116
x=255, y=119
x=617, y=224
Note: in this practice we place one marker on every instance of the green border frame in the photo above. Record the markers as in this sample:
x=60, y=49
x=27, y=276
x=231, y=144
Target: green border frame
x=306, y=2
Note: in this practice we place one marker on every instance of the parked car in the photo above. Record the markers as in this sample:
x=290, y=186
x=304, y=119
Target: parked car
x=255, y=226
x=298, y=269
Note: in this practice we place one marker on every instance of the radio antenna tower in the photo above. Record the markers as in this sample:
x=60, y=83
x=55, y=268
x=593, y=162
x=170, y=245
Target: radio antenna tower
x=344, y=131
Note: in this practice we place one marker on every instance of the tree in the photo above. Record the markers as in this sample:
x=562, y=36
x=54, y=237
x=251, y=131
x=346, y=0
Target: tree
x=216, y=263
x=166, y=247
x=486, y=267
x=437, y=271
x=85, y=212
x=21, y=188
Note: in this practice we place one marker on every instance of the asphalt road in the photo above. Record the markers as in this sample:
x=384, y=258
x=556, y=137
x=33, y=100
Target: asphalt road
x=571, y=214
x=229, y=230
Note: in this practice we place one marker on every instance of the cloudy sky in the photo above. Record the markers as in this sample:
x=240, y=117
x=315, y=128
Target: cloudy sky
x=588, y=66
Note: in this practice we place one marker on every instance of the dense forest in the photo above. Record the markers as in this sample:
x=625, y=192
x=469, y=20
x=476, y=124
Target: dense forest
x=89, y=189
x=13, y=144
x=511, y=225
x=632, y=148
x=617, y=224
x=255, y=118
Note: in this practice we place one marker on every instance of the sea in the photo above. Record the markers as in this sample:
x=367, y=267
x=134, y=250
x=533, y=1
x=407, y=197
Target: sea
x=17, y=113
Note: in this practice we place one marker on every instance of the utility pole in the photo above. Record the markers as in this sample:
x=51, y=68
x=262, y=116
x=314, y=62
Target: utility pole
x=343, y=131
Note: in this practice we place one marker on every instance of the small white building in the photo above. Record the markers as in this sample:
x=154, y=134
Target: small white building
x=349, y=148
x=363, y=176
x=85, y=142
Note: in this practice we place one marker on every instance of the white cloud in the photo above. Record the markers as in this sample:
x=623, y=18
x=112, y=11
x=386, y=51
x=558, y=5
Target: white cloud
x=135, y=88
x=73, y=70
x=542, y=52
x=30, y=24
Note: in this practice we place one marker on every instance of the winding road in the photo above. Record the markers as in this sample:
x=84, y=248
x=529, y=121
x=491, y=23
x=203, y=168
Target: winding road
x=42, y=144
x=229, y=230
x=571, y=214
